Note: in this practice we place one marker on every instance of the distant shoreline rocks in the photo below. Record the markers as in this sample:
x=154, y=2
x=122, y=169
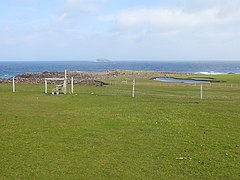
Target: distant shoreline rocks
x=86, y=78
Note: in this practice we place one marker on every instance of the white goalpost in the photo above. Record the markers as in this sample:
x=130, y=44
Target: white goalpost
x=55, y=79
x=60, y=88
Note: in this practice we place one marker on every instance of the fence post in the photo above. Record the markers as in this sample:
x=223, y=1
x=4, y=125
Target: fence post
x=14, y=88
x=133, y=90
x=72, y=85
x=45, y=86
x=201, y=89
x=65, y=83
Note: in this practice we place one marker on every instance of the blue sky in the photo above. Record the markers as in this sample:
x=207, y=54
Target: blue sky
x=120, y=30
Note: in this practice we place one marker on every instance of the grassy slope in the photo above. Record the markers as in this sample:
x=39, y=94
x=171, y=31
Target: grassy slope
x=104, y=136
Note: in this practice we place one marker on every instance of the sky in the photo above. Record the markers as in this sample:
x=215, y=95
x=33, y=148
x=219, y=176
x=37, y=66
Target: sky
x=119, y=30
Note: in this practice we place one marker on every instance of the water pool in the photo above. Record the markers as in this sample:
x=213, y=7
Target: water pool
x=175, y=80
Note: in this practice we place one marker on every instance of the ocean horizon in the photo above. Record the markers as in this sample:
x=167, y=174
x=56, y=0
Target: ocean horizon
x=12, y=68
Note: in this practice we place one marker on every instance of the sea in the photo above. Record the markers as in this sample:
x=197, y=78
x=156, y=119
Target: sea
x=10, y=69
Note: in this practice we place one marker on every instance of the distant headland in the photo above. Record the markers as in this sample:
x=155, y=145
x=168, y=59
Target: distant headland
x=102, y=60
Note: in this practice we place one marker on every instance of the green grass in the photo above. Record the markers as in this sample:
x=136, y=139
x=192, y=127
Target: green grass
x=165, y=132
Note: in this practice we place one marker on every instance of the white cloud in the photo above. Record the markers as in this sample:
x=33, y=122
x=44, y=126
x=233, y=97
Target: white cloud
x=177, y=16
x=73, y=11
x=171, y=19
x=199, y=28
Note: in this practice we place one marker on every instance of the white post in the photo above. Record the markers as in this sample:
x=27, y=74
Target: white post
x=201, y=91
x=72, y=85
x=133, y=90
x=65, y=76
x=45, y=86
x=14, y=89
x=65, y=83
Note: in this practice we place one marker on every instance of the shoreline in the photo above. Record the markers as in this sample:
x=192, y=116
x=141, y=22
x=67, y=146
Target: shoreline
x=12, y=69
x=89, y=78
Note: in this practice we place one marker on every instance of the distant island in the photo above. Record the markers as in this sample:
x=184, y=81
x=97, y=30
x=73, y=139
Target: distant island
x=102, y=60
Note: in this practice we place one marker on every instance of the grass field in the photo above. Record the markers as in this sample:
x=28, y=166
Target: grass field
x=165, y=132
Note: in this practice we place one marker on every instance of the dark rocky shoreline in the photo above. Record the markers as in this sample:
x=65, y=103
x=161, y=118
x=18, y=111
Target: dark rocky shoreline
x=87, y=78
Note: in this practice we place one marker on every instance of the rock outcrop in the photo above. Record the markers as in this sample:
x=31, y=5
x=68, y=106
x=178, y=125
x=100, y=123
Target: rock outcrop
x=86, y=78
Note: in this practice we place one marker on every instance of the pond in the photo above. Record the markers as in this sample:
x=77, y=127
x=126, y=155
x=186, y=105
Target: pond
x=175, y=80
